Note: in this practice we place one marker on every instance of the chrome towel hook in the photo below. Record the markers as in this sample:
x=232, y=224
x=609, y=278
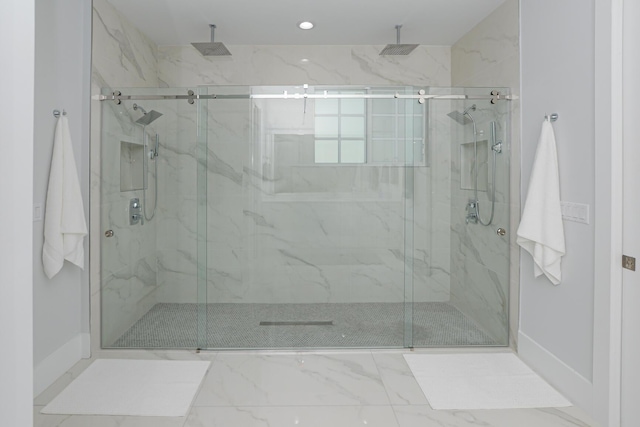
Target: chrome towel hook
x=56, y=113
x=552, y=117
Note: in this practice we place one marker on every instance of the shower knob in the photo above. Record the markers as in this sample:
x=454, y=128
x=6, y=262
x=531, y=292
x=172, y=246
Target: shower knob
x=108, y=233
x=501, y=231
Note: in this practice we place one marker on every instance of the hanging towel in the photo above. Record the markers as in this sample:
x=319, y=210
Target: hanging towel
x=541, y=232
x=64, y=222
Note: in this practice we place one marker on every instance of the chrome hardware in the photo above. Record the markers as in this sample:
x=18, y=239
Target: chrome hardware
x=108, y=233
x=496, y=96
x=501, y=231
x=472, y=211
x=57, y=113
x=551, y=117
x=135, y=212
x=116, y=98
x=191, y=100
x=629, y=262
x=497, y=147
x=421, y=94
x=153, y=153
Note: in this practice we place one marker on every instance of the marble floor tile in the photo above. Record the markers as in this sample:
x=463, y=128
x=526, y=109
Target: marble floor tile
x=424, y=416
x=285, y=380
x=61, y=383
x=304, y=416
x=402, y=388
x=308, y=389
x=45, y=420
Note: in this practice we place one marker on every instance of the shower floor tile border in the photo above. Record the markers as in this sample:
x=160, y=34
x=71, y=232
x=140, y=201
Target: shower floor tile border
x=294, y=326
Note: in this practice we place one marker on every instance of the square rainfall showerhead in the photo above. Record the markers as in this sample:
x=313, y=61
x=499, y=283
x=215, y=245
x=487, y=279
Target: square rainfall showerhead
x=398, y=49
x=212, y=49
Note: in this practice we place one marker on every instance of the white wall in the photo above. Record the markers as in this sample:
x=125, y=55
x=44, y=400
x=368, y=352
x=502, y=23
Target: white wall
x=61, y=315
x=16, y=180
x=557, y=63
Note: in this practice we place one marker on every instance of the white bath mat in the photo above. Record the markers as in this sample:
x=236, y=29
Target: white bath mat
x=481, y=381
x=161, y=388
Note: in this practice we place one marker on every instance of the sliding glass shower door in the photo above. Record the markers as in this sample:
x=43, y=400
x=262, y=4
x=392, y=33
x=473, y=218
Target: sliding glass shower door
x=304, y=217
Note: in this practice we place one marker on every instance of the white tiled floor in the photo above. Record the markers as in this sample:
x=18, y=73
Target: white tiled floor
x=308, y=389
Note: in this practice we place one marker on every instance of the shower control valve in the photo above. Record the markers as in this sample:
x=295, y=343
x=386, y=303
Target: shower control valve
x=472, y=211
x=135, y=212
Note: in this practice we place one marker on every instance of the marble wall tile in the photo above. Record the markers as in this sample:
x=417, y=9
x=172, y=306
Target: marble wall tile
x=492, y=41
x=122, y=54
x=257, y=242
x=124, y=288
x=274, y=229
x=177, y=276
x=488, y=56
x=481, y=294
x=126, y=295
x=283, y=65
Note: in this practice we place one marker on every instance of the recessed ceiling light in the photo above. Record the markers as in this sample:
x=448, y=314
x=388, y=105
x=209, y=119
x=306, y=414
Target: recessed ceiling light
x=304, y=60
x=305, y=25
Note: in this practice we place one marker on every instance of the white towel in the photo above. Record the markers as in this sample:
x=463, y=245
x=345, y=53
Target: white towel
x=541, y=232
x=64, y=222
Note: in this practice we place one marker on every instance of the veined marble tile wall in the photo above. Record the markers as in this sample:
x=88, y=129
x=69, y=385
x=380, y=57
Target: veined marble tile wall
x=312, y=243
x=338, y=235
x=123, y=266
x=488, y=56
x=181, y=66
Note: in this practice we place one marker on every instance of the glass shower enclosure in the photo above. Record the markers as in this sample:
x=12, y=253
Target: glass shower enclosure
x=304, y=217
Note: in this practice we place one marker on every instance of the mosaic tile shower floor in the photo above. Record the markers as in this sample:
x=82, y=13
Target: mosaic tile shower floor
x=366, y=325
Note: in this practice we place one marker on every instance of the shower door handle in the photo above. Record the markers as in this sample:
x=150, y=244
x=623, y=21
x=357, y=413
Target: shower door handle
x=501, y=231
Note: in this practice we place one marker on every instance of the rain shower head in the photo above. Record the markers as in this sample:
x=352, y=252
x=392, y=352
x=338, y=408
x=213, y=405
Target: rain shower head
x=212, y=48
x=462, y=118
x=147, y=118
x=398, y=48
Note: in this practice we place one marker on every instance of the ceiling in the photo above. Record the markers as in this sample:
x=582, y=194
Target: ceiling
x=337, y=22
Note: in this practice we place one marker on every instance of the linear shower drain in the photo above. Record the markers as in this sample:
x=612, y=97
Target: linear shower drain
x=294, y=323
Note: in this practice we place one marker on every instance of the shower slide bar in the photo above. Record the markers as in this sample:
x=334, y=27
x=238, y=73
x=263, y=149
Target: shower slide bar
x=191, y=97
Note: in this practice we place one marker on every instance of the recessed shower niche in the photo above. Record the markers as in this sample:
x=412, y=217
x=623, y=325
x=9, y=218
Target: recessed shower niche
x=131, y=166
x=468, y=165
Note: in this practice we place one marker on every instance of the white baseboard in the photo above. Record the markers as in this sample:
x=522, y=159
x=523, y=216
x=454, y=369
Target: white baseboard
x=567, y=381
x=59, y=362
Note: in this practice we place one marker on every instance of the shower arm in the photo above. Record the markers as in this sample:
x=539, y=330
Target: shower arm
x=213, y=32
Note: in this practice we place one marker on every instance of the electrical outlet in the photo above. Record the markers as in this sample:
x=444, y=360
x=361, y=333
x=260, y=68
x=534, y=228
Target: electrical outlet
x=577, y=212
